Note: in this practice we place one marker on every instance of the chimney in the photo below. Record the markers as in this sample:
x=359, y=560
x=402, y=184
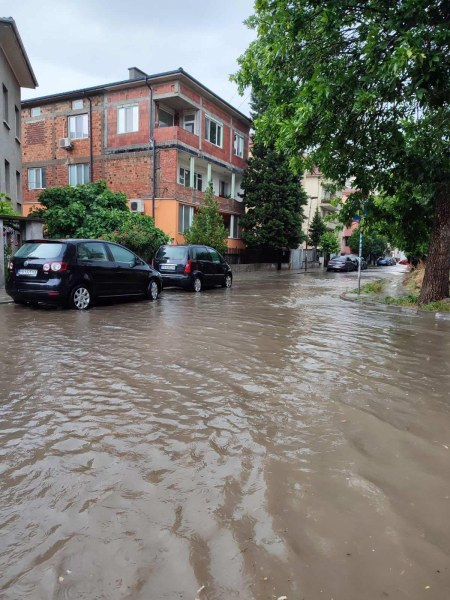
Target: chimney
x=135, y=73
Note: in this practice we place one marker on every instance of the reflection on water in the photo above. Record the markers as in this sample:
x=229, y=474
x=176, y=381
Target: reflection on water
x=264, y=441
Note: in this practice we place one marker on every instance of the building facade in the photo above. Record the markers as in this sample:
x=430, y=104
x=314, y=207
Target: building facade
x=15, y=73
x=159, y=139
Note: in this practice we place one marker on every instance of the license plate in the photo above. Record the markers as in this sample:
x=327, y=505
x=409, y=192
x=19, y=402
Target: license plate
x=167, y=267
x=27, y=272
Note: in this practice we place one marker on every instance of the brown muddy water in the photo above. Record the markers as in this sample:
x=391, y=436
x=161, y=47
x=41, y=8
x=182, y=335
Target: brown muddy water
x=261, y=442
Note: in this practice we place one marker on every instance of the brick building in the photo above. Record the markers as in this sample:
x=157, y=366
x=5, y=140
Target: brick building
x=157, y=138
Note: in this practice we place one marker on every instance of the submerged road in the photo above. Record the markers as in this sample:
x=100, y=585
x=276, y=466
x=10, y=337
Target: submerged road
x=265, y=441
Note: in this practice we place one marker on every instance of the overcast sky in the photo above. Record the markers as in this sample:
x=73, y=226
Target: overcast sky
x=73, y=44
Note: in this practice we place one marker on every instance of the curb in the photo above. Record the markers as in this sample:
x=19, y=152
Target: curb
x=396, y=309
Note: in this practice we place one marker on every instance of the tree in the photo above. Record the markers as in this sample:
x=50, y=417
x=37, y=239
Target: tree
x=373, y=245
x=329, y=243
x=316, y=230
x=273, y=199
x=207, y=226
x=94, y=211
x=6, y=206
x=361, y=88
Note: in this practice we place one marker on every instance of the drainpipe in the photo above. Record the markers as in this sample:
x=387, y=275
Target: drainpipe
x=152, y=145
x=91, y=144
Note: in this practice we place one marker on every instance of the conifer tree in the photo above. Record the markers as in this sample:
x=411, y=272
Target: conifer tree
x=316, y=229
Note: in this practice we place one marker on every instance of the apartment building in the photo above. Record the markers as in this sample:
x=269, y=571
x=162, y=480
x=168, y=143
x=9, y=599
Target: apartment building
x=15, y=73
x=158, y=138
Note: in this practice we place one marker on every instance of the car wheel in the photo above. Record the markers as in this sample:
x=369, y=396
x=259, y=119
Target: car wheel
x=153, y=290
x=197, y=285
x=80, y=297
x=227, y=282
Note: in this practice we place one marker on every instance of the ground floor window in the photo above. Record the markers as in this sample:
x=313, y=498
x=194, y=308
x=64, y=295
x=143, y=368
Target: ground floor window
x=185, y=216
x=235, y=232
x=78, y=174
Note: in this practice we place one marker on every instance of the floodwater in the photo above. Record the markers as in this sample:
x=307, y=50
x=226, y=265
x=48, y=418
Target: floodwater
x=265, y=441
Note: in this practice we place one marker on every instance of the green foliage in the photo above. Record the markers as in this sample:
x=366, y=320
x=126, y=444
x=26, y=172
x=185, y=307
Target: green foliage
x=6, y=206
x=94, y=211
x=373, y=245
x=274, y=200
x=316, y=229
x=329, y=243
x=361, y=88
x=373, y=287
x=207, y=225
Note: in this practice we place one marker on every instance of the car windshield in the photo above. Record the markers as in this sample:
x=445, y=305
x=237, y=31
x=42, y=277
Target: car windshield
x=40, y=250
x=176, y=253
x=339, y=259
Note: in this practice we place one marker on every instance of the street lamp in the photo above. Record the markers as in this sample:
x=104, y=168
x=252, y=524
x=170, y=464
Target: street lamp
x=310, y=198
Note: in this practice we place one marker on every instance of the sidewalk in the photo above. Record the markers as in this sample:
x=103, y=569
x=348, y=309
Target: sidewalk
x=4, y=298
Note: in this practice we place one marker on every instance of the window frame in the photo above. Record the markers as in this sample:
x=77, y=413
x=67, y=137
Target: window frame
x=42, y=178
x=193, y=121
x=77, y=104
x=86, y=173
x=167, y=111
x=238, y=144
x=219, y=127
x=234, y=229
x=134, y=108
x=36, y=110
x=5, y=104
x=182, y=209
x=185, y=179
x=84, y=129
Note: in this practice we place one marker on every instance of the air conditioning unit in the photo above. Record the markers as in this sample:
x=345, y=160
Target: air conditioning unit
x=137, y=206
x=65, y=143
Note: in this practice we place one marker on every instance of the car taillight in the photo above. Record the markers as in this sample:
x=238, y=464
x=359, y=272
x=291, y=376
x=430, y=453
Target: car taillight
x=55, y=266
x=187, y=268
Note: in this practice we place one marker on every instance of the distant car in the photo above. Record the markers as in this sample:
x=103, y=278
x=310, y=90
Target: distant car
x=78, y=272
x=384, y=261
x=356, y=260
x=342, y=263
x=192, y=267
x=405, y=261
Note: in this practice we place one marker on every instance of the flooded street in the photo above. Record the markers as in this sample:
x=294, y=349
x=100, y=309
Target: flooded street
x=265, y=441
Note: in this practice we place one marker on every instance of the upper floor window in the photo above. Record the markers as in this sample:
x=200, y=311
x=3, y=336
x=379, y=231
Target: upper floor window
x=223, y=189
x=239, y=145
x=78, y=127
x=128, y=119
x=185, y=179
x=166, y=118
x=5, y=104
x=77, y=104
x=214, y=131
x=189, y=119
x=35, y=111
x=36, y=178
x=17, y=111
x=78, y=174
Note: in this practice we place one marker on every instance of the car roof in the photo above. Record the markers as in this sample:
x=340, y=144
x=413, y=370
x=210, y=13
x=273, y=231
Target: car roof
x=65, y=241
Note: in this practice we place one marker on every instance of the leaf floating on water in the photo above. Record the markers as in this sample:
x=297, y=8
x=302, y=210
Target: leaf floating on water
x=60, y=579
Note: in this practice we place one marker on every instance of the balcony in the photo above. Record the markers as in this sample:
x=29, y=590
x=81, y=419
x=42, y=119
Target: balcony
x=167, y=136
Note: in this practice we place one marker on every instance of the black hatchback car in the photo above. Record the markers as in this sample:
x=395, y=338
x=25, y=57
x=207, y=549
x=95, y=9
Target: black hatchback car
x=77, y=272
x=192, y=267
x=342, y=263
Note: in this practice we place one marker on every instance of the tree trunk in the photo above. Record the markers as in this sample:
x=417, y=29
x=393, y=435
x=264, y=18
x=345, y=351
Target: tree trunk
x=437, y=269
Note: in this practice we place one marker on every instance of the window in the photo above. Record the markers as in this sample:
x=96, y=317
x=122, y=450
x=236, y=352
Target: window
x=18, y=186
x=223, y=189
x=36, y=178
x=166, y=118
x=7, y=178
x=121, y=254
x=17, y=111
x=92, y=251
x=189, y=121
x=36, y=111
x=185, y=216
x=77, y=104
x=201, y=253
x=78, y=174
x=127, y=119
x=215, y=256
x=234, y=227
x=239, y=145
x=78, y=127
x=5, y=104
x=213, y=132
x=185, y=179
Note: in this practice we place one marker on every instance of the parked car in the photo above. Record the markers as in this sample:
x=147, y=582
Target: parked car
x=356, y=260
x=342, y=263
x=78, y=272
x=386, y=261
x=404, y=261
x=192, y=267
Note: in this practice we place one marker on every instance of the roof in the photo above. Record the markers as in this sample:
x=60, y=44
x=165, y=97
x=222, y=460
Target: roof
x=127, y=83
x=14, y=50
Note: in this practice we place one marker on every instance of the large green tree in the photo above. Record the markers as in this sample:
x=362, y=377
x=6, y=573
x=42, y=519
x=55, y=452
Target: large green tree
x=361, y=88
x=208, y=226
x=94, y=211
x=273, y=199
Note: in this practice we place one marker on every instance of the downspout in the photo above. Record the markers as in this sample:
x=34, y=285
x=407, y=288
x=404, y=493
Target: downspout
x=152, y=145
x=91, y=144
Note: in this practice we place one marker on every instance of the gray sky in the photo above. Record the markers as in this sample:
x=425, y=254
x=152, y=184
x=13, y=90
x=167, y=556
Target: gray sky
x=73, y=44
